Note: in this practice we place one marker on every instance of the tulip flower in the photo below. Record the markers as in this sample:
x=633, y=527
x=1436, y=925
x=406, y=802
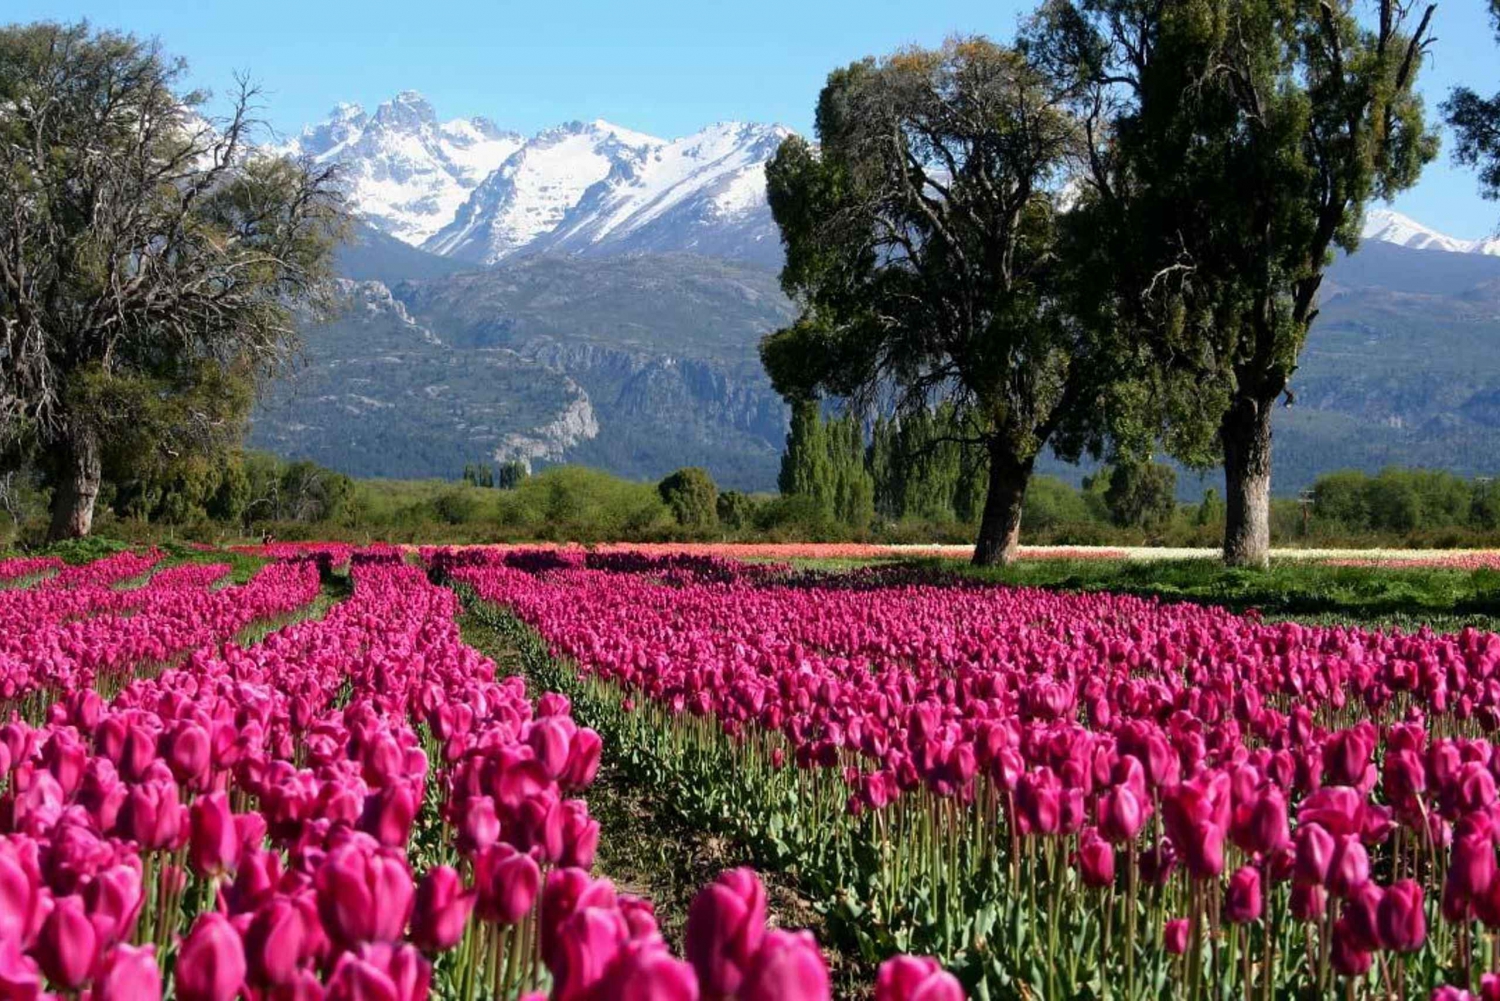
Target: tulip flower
x=1242, y=900
x=211, y=965
x=1175, y=936
x=128, y=974
x=1402, y=922
x=275, y=942
x=1096, y=861
x=441, y=909
x=213, y=841
x=68, y=945
x=787, y=967
x=916, y=978
x=725, y=928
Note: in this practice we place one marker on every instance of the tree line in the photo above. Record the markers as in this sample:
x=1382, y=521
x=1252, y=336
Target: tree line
x=1105, y=237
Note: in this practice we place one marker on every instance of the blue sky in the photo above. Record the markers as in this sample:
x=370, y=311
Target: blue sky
x=660, y=66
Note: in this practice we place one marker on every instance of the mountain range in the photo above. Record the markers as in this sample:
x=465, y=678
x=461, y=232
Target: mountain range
x=595, y=294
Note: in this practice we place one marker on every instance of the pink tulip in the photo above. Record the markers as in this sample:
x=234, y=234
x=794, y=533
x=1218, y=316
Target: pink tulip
x=1242, y=900
x=441, y=909
x=364, y=894
x=68, y=945
x=725, y=928
x=1402, y=922
x=1096, y=861
x=915, y=978
x=213, y=842
x=1175, y=936
x=646, y=971
x=211, y=965
x=128, y=974
x=275, y=942
x=788, y=967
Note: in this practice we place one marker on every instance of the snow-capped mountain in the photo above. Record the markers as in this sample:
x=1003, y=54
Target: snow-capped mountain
x=467, y=190
x=704, y=193
x=407, y=172
x=536, y=187
x=1393, y=227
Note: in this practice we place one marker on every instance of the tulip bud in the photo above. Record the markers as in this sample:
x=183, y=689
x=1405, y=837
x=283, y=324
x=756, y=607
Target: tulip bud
x=1315, y=848
x=389, y=813
x=478, y=828
x=1175, y=936
x=1242, y=901
x=788, y=967
x=1472, y=868
x=725, y=927
x=211, y=965
x=583, y=760
x=1096, y=861
x=1402, y=923
x=916, y=978
x=128, y=974
x=274, y=943
x=1351, y=866
x=213, y=841
x=442, y=909
x=68, y=945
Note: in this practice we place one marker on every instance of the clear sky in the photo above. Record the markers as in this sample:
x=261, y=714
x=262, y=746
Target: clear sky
x=661, y=66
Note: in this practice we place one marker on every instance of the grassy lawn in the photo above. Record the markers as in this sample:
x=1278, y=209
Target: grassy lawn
x=1303, y=590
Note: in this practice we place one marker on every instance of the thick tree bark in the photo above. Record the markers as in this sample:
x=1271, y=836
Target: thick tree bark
x=77, y=486
x=1000, y=525
x=1246, y=436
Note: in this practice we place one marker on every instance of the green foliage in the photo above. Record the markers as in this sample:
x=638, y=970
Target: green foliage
x=825, y=463
x=1402, y=501
x=1050, y=504
x=151, y=263
x=1141, y=495
x=925, y=243
x=479, y=474
x=1235, y=146
x=920, y=469
x=512, y=474
x=457, y=506
x=692, y=496
x=735, y=509
x=1476, y=122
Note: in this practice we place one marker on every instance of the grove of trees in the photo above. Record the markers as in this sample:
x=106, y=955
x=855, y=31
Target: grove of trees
x=1108, y=234
x=152, y=262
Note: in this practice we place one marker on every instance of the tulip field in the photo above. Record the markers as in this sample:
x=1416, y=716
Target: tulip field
x=352, y=806
x=306, y=784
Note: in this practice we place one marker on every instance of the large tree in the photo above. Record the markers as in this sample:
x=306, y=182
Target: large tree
x=1476, y=121
x=1235, y=144
x=150, y=257
x=924, y=239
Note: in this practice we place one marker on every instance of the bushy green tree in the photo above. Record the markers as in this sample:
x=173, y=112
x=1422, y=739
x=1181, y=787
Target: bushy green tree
x=693, y=497
x=1339, y=497
x=736, y=510
x=149, y=257
x=1142, y=495
x=805, y=467
x=1211, y=509
x=1234, y=145
x=927, y=245
x=1476, y=121
x=512, y=474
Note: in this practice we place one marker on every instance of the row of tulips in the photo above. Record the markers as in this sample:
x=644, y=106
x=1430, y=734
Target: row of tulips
x=1062, y=794
x=22, y=567
x=65, y=639
x=251, y=821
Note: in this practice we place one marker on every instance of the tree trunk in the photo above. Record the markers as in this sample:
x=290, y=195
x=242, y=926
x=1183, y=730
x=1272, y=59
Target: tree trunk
x=76, y=488
x=1246, y=435
x=1000, y=526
